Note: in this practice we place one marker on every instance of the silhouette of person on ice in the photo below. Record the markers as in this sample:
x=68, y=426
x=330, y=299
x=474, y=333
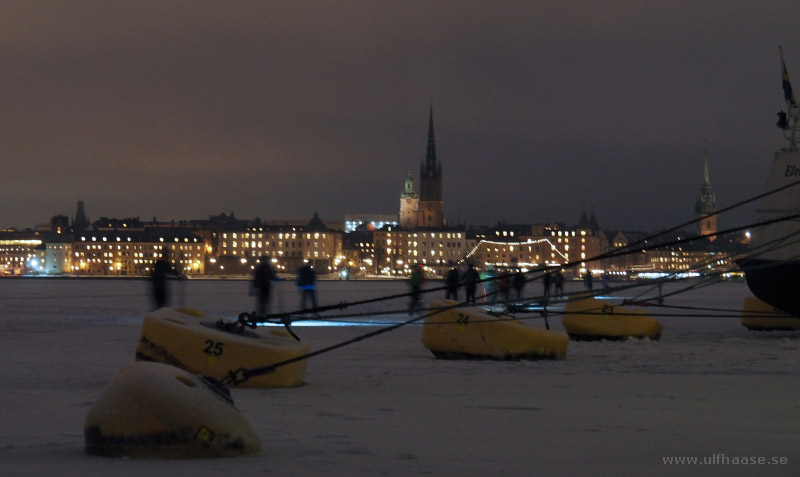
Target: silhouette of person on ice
x=470, y=280
x=306, y=282
x=547, y=282
x=558, y=280
x=161, y=269
x=518, y=281
x=452, y=279
x=415, y=282
x=261, y=284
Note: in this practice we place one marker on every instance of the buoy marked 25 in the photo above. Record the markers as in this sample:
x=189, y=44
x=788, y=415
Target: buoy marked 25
x=213, y=348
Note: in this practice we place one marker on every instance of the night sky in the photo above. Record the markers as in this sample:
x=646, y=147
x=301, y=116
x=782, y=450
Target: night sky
x=181, y=110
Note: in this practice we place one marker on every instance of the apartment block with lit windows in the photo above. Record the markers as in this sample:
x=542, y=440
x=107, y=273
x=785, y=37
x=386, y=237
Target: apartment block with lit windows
x=287, y=246
x=397, y=250
x=133, y=252
x=531, y=246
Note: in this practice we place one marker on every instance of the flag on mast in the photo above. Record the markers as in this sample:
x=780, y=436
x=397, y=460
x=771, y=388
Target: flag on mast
x=787, y=85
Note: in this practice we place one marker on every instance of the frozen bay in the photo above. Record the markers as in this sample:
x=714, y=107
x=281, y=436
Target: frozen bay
x=709, y=389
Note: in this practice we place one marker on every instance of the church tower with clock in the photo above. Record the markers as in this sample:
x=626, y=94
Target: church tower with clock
x=409, y=206
x=425, y=210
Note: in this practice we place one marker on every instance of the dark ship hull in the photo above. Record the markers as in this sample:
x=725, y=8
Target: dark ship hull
x=774, y=282
x=772, y=269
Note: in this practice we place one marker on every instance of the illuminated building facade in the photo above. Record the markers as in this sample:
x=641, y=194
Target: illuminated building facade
x=56, y=257
x=531, y=246
x=288, y=247
x=133, y=252
x=18, y=252
x=358, y=252
x=397, y=250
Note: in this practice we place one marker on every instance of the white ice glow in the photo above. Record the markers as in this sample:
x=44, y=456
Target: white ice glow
x=386, y=406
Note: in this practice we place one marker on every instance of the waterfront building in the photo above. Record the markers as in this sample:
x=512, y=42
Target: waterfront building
x=358, y=252
x=541, y=245
x=19, y=252
x=289, y=247
x=133, y=252
x=397, y=250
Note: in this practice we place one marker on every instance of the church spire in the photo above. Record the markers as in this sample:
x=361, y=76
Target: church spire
x=431, y=167
x=706, y=182
x=707, y=201
x=705, y=208
x=430, y=192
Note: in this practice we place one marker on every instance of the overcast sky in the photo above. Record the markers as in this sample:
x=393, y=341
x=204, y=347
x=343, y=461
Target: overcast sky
x=542, y=109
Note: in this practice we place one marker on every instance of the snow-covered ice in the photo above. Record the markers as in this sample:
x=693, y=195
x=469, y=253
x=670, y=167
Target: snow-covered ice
x=386, y=406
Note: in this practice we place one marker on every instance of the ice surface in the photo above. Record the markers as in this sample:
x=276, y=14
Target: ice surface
x=386, y=406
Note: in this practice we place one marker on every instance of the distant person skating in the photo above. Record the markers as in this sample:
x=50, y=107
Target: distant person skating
x=452, y=279
x=504, y=284
x=470, y=280
x=261, y=285
x=518, y=282
x=558, y=280
x=488, y=279
x=547, y=282
x=415, y=283
x=306, y=282
x=587, y=280
x=161, y=269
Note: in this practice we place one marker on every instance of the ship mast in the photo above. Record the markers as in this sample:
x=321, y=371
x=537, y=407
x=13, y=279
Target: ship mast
x=789, y=122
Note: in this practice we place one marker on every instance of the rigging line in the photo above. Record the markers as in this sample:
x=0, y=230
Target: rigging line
x=600, y=312
x=627, y=250
x=698, y=266
x=242, y=374
x=676, y=315
x=725, y=310
x=710, y=279
x=718, y=276
x=616, y=253
x=610, y=254
x=694, y=286
x=771, y=246
x=723, y=210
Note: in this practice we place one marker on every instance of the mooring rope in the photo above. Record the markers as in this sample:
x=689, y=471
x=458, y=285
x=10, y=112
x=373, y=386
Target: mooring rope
x=242, y=374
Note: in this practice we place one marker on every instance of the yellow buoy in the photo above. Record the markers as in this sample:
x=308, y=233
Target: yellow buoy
x=153, y=410
x=760, y=316
x=587, y=318
x=472, y=333
x=189, y=339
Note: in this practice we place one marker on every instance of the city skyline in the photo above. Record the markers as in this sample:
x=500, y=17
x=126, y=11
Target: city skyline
x=181, y=109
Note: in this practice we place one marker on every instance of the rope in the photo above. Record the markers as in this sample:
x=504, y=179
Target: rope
x=242, y=374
